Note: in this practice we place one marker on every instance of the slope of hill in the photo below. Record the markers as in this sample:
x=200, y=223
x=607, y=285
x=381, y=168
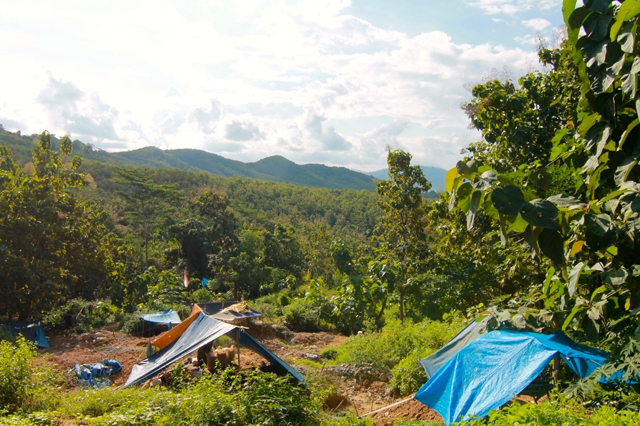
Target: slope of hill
x=275, y=168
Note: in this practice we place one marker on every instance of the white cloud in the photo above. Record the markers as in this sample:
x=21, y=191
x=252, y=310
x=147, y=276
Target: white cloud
x=537, y=24
x=247, y=79
x=512, y=7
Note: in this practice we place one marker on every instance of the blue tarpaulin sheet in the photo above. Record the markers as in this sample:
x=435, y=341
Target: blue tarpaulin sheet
x=165, y=317
x=496, y=367
x=32, y=331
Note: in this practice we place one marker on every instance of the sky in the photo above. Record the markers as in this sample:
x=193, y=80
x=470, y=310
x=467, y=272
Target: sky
x=332, y=82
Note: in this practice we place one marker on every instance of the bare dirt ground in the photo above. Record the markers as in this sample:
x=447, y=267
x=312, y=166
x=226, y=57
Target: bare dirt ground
x=104, y=344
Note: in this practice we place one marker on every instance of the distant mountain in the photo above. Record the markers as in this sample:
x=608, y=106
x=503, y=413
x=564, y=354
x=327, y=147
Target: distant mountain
x=275, y=168
x=435, y=175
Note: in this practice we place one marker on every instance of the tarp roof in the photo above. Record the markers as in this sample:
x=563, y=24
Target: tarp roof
x=164, y=317
x=201, y=330
x=497, y=366
x=224, y=311
x=472, y=331
x=31, y=331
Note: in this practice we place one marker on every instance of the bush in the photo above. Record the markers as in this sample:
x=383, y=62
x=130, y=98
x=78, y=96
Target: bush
x=16, y=373
x=89, y=314
x=302, y=315
x=397, y=341
x=408, y=376
x=557, y=411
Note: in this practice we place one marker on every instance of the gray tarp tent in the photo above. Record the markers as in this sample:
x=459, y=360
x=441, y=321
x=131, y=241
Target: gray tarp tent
x=202, y=330
x=217, y=311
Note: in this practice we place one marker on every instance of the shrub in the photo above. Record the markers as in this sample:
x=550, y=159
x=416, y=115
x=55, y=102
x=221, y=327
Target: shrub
x=302, y=315
x=16, y=373
x=5, y=334
x=408, y=375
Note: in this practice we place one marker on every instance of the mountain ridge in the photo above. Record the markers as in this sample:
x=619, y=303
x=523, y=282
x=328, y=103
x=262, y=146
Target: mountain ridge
x=273, y=168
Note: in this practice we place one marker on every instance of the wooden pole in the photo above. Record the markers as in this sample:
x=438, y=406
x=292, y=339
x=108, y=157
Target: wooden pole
x=395, y=404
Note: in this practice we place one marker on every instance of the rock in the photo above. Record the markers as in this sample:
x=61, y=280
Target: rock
x=312, y=357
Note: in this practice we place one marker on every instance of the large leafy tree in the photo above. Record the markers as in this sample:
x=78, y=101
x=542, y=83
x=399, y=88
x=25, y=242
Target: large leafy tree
x=53, y=246
x=589, y=234
x=401, y=231
x=146, y=203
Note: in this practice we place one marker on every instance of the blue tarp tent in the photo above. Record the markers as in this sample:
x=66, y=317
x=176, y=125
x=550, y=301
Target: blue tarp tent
x=202, y=330
x=472, y=331
x=152, y=324
x=496, y=367
x=164, y=317
x=31, y=331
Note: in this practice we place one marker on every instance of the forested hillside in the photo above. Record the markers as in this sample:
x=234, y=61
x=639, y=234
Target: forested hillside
x=275, y=168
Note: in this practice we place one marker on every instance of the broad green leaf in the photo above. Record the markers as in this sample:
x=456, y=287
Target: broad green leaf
x=567, y=202
x=629, y=85
x=616, y=277
x=517, y=223
x=628, y=10
x=576, y=309
x=568, y=7
x=626, y=40
x=560, y=134
x=576, y=17
x=463, y=195
x=598, y=224
x=540, y=213
x=557, y=151
x=623, y=170
x=592, y=329
x=508, y=200
x=628, y=131
x=450, y=178
x=473, y=208
x=597, y=24
x=551, y=243
x=601, y=79
x=588, y=122
x=574, y=276
x=599, y=6
x=635, y=67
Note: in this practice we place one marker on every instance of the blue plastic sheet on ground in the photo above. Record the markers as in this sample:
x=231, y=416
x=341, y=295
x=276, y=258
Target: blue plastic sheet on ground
x=496, y=367
x=94, y=375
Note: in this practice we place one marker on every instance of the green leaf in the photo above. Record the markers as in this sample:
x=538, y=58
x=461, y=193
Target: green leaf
x=551, y=243
x=599, y=6
x=597, y=24
x=574, y=276
x=450, y=178
x=627, y=132
x=616, y=277
x=601, y=79
x=635, y=67
x=567, y=202
x=629, y=84
x=540, y=213
x=517, y=223
x=587, y=123
x=626, y=41
x=598, y=225
x=576, y=309
x=623, y=170
x=628, y=10
x=464, y=196
x=575, y=17
x=473, y=208
x=508, y=200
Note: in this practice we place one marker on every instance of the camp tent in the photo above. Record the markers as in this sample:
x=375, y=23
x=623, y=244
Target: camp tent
x=496, y=367
x=202, y=329
x=31, y=331
x=472, y=331
x=158, y=322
